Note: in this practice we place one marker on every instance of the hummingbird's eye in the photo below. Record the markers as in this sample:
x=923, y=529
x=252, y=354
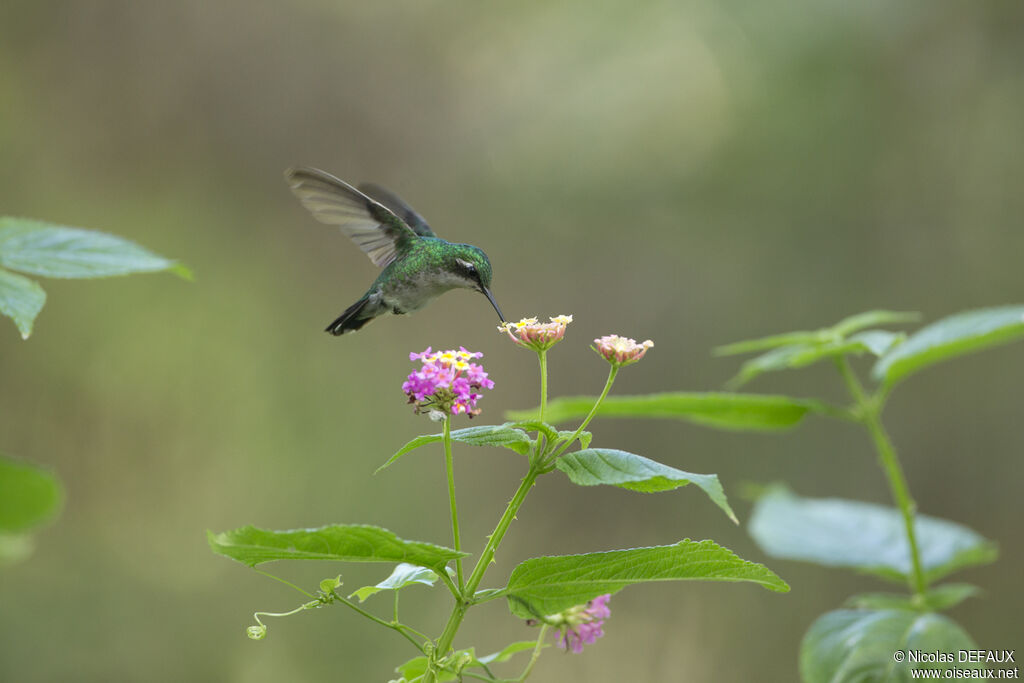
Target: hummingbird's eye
x=466, y=266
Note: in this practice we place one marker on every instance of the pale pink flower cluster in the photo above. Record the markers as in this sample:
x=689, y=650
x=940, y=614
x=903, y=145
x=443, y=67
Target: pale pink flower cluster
x=582, y=625
x=447, y=381
x=535, y=335
x=621, y=351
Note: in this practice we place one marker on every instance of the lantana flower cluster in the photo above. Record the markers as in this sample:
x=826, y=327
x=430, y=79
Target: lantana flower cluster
x=536, y=335
x=620, y=351
x=581, y=625
x=447, y=382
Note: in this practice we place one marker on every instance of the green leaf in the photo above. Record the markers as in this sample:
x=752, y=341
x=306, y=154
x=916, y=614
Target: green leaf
x=764, y=343
x=712, y=409
x=504, y=435
x=328, y=586
x=534, y=425
x=547, y=585
x=21, y=300
x=876, y=342
x=836, y=333
x=339, y=542
x=594, y=466
x=584, y=437
x=950, y=337
x=40, y=248
x=29, y=495
x=935, y=600
x=404, y=575
x=508, y=652
x=861, y=321
x=862, y=536
x=858, y=646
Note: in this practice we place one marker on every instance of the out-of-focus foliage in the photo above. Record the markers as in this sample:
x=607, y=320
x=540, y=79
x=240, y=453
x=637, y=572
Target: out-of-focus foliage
x=29, y=497
x=691, y=173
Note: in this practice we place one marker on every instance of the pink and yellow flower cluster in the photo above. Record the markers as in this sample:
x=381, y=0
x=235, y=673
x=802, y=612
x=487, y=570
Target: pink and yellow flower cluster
x=621, y=351
x=447, y=382
x=536, y=335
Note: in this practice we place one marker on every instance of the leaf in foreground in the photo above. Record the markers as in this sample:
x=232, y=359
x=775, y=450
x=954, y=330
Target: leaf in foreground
x=862, y=536
x=21, y=300
x=713, y=409
x=40, y=248
x=859, y=645
x=594, y=466
x=546, y=585
x=340, y=542
x=29, y=495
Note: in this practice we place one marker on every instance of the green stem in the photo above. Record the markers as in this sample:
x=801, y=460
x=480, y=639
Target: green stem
x=871, y=416
x=287, y=583
x=399, y=628
x=451, y=497
x=593, y=411
x=543, y=356
x=444, y=643
x=536, y=653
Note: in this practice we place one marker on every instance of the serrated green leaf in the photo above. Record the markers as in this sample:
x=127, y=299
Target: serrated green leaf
x=339, y=542
x=404, y=575
x=547, y=585
x=862, y=536
x=956, y=335
x=594, y=466
x=39, y=248
x=935, y=600
x=21, y=300
x=503, y=435
x=29, y=495
x=858, y=646
x=713, y=409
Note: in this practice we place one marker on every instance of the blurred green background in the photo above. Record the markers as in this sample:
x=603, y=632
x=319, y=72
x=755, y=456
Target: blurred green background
x=692, y=172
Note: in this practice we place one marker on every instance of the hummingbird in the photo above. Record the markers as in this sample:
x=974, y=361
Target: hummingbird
x=418, y=265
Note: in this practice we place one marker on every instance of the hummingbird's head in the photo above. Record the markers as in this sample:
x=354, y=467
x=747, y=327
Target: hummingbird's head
x=471, y=265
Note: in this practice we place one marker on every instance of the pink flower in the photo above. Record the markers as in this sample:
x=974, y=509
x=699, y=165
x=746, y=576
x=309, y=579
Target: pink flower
x=583, y=624
x=446, y=382
x=620, y=351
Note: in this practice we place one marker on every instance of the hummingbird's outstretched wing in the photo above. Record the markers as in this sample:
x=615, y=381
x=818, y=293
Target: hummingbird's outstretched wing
x=370, y=224
x=401, y=209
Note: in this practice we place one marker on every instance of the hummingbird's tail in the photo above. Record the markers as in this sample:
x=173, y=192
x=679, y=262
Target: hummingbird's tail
x=351, y=320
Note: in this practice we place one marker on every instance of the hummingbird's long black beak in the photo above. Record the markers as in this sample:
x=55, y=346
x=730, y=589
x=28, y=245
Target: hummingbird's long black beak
x=494, y=303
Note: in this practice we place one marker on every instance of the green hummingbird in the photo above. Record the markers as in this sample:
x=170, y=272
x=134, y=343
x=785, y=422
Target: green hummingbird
x=418, y=265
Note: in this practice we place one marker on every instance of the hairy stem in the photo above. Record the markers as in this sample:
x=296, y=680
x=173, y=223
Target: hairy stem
x=451, y=498
x=444, y=643
x=543, y=357
x=870, y=415
x=536, y=653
